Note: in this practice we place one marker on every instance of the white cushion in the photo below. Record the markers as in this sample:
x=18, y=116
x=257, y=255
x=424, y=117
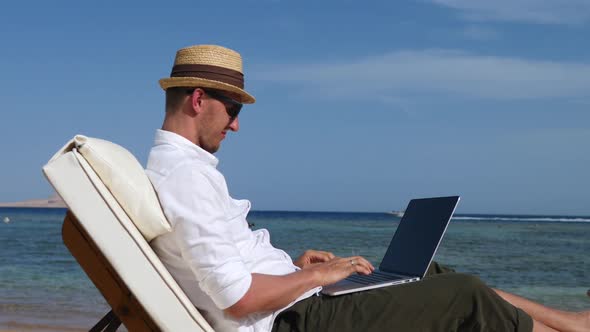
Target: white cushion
x=125, y=178
x=118, y=239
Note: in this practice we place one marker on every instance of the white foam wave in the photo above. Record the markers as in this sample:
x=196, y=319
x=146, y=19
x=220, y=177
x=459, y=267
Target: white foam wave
x=540, y=219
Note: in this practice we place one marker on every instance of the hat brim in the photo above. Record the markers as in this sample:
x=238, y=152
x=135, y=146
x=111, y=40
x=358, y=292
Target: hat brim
x=173, y=82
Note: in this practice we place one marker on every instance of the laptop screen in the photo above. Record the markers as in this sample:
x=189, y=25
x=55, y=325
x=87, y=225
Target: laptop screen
x=418, y=235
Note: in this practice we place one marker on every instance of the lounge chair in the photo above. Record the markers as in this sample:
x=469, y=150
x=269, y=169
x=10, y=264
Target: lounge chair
x=113, y=213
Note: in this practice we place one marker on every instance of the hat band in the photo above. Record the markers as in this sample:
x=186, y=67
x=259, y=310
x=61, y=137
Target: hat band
x=210, y=72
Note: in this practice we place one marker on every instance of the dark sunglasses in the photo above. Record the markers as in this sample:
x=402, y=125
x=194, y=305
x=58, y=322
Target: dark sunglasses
x=232, y=107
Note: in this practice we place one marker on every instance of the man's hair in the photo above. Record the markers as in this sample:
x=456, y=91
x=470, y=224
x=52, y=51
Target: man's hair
x=175, y=98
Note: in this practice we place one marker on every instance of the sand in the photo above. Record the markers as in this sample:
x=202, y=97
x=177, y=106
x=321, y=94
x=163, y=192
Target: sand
x=24, y=327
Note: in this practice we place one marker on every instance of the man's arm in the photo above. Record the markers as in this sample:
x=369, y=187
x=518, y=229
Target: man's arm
x=269, y=293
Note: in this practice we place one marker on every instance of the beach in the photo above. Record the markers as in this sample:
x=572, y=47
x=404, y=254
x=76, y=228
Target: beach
x=544, y=258
x=23, y=327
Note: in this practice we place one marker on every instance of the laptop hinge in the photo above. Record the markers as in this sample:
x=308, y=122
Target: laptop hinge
x=400, y=273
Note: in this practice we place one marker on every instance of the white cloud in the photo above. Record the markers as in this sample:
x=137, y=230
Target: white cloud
x=570, y=12
x=442, y=72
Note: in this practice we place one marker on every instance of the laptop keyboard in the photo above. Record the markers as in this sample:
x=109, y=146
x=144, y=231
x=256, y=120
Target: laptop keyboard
x=373, y=278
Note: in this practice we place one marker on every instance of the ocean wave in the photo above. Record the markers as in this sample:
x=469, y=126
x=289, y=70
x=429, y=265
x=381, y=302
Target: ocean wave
x=539, y=219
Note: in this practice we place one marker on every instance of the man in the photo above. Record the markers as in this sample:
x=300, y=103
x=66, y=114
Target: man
x=239, y=281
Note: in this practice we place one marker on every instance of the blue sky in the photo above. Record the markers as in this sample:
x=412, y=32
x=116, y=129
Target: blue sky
x=360, y=105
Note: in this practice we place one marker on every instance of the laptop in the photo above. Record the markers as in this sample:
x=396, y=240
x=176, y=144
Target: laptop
x=411, y=249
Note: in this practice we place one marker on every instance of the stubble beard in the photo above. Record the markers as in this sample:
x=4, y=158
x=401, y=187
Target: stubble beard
x=211, y=148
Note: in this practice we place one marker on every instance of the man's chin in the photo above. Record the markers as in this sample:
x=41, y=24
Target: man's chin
x=211, y=149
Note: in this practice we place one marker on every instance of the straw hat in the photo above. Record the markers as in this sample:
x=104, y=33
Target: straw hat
x=208, y=66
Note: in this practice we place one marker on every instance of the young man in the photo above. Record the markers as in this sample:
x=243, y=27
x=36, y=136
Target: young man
x=240, y=282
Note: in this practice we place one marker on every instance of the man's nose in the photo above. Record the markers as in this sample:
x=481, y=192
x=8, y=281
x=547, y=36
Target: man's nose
x=234, y=124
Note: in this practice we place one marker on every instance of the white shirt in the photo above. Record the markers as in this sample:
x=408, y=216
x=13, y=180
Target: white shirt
x=211, y=252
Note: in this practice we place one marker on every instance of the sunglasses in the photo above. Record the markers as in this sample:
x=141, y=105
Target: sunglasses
x=232, y=107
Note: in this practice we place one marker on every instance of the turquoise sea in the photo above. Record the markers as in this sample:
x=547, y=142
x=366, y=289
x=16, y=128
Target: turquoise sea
x=545, y=258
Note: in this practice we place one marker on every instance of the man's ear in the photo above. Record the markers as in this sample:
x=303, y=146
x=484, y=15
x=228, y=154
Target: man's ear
x=197, y=100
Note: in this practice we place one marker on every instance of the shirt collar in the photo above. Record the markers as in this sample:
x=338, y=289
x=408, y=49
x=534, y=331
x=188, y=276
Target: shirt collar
x=168, y=137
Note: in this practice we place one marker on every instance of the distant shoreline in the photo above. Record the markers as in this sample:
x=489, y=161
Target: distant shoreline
x=52, y=202
x=55, y=202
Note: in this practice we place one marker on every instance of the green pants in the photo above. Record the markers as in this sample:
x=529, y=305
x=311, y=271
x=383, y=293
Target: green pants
x=443, y=301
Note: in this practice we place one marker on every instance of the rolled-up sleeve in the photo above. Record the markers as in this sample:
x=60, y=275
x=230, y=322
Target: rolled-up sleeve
x=196, y=205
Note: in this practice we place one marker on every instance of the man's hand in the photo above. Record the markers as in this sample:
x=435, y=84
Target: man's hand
x=270, y=292
x=311, y=257
x=339, y=268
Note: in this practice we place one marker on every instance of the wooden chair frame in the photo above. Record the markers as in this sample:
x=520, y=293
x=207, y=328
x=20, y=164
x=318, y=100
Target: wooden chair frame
x=125, y=307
